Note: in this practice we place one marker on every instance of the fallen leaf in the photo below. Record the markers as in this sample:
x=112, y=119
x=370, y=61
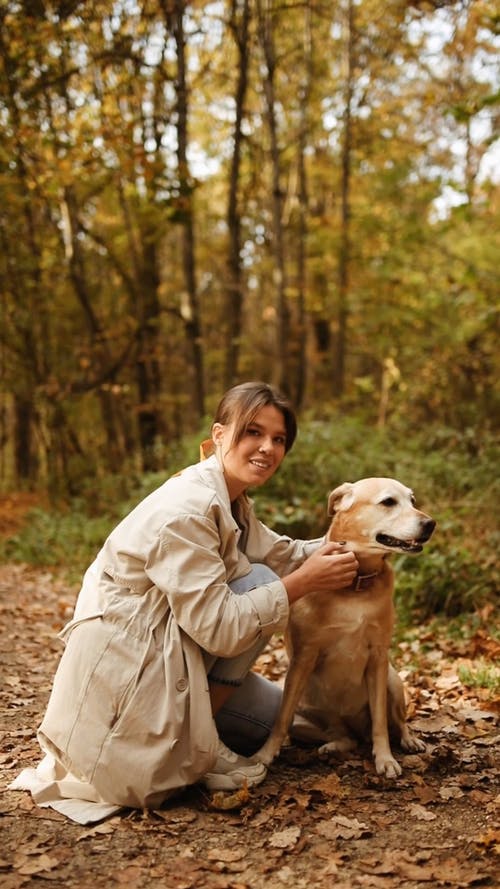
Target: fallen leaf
x=425, y=794
x=302, y=799
x=450, y=792
x=37, y=865
x=330, y=785
x=434, y=724
x=98, y=830
x=490, y=840
x=128, y=874
x=479, y=796
x=417, y=872
x=285, y=839
x=228, y=801
x=421, y=813
x=457, y=873
x=345, y=828
x=226, y=854
x=447, y=681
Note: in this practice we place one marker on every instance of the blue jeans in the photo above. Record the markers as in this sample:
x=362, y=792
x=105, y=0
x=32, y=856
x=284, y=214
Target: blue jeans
x=246, y=719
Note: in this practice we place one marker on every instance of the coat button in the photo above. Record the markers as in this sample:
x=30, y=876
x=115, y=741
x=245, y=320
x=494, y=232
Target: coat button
x=181, y=684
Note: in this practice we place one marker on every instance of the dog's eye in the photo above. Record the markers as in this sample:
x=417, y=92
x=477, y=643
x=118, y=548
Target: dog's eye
x=389, y=501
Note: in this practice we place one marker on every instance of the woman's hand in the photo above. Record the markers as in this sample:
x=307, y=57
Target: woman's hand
x=329, y=568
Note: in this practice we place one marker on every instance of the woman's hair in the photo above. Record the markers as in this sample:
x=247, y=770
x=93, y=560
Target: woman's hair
x=242, y=403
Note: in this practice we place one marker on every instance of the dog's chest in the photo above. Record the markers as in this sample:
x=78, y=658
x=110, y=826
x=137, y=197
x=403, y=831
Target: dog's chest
x=348, y=641
x=348, y=625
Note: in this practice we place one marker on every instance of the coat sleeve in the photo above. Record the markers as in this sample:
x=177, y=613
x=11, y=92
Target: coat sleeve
x=186, y=564
x=282, y=554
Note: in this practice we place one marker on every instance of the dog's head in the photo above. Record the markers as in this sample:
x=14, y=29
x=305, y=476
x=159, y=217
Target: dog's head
x=378, y=514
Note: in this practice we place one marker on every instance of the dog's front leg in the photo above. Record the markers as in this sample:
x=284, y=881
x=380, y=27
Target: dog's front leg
x=376, y=677
x=299, y=671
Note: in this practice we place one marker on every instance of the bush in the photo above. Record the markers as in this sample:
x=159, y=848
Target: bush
x=454, y=478
x=450, y=472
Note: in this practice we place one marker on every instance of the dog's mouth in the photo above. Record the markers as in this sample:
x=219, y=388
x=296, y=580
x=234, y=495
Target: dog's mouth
x=407, y=546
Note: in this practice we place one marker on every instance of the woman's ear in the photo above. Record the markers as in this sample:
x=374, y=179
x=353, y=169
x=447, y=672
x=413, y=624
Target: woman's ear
x=217, y=433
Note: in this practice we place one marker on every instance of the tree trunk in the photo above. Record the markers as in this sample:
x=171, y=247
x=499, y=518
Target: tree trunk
x=301, y=369
x=281, y=375
x=174, y=16
x=238, y=23
x=26, y=463
x=345, y=233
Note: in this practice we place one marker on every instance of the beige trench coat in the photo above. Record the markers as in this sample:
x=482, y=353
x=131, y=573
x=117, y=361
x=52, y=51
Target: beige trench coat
x=129, y=717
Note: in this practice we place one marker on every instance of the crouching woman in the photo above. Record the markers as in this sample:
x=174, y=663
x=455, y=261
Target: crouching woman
x=154, y=690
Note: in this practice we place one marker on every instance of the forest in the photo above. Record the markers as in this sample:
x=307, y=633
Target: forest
x=194, y=194
x=306, y=192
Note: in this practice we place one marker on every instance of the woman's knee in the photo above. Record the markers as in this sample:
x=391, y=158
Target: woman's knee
x=247, y=718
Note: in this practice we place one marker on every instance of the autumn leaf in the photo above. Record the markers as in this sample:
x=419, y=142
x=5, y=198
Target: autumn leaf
x=285, y=839
x=346, y=828
x=330, y=785
x=37, y=864
x=228, y=801
x=421, y=813
x=490, y=840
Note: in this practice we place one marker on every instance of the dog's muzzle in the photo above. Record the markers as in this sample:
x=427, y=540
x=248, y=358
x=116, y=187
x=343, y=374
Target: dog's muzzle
x=409, y=546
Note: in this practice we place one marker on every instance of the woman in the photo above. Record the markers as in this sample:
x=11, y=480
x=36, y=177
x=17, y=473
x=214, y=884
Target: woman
x=182, y=598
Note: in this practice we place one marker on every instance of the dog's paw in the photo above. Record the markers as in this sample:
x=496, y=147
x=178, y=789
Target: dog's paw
x=341, y=745
x=265, y=755
x=412, y=744
x=388, y=767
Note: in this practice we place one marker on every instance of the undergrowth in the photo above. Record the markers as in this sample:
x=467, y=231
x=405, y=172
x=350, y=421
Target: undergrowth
x=453, y=474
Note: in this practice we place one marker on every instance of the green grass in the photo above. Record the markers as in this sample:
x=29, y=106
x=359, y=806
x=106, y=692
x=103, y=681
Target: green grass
x=483, y=674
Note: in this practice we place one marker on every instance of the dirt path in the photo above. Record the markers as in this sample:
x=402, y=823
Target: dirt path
x=313, y=823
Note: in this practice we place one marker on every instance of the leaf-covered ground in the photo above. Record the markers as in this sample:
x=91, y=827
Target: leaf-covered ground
x=313, y=823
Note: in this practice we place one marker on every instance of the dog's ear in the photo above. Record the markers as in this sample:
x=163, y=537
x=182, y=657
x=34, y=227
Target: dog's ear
x=340, y=498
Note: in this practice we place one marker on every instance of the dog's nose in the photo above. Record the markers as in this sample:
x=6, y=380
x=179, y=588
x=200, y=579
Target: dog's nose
x=427, y=528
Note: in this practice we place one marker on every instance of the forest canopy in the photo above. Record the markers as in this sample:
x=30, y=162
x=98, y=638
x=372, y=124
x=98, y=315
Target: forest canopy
x=193, y=194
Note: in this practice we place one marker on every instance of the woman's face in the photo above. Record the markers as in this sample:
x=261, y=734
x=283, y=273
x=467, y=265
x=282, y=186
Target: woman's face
x=257, y=455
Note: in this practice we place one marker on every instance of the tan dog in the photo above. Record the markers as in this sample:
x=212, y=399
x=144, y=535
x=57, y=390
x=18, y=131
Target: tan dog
x=338, y=642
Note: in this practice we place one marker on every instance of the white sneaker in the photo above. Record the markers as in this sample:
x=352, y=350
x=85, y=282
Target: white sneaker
x=231, y=772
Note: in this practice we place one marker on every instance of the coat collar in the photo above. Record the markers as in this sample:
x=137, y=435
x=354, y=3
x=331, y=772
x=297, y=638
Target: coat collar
x=211, y=472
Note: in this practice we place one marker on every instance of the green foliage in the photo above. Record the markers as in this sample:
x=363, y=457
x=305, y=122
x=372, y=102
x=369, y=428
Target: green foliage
x=68, y=540
x=100, y=333
x=483, y=675
x=453, y=475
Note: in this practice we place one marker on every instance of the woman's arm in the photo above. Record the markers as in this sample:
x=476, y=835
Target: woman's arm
x=187, y=566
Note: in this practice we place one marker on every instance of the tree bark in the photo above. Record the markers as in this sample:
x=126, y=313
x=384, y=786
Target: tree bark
x=239, y=25
x=281, y=375
x=174, y=17
x=344, y=257
x=301, y=369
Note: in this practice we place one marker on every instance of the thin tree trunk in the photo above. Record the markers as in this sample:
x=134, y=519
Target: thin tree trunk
x=32, y=331
x=239, y=24
x=281, y=374
x=301, y=370
x=345, y=233
x=174, y=16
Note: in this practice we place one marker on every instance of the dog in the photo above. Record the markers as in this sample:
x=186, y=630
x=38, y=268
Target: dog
x=338, y=642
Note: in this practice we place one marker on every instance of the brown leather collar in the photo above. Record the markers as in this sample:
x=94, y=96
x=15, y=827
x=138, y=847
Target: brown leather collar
x=364, y=580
